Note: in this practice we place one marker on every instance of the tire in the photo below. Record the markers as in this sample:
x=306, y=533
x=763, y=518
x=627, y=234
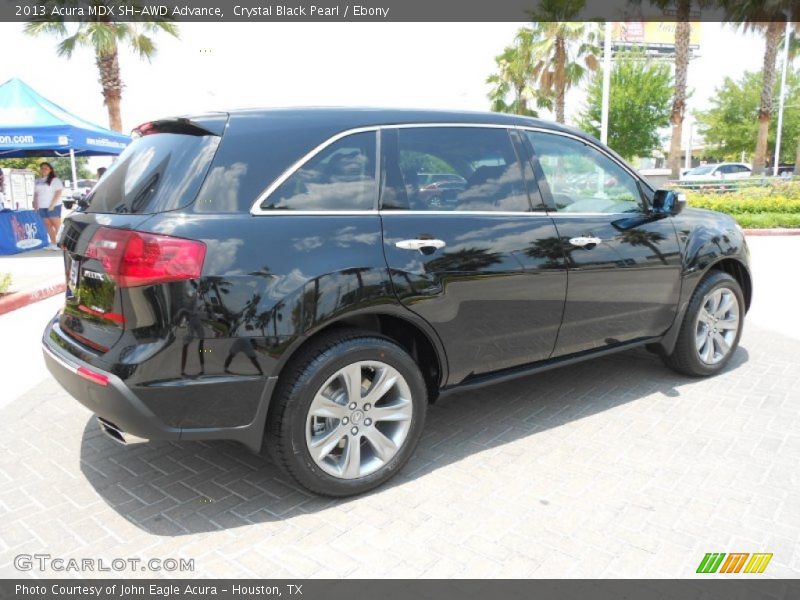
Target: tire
x=692, y=354
x=355, y=449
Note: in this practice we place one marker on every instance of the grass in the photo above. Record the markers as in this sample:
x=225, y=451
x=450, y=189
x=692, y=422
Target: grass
x=768, y=220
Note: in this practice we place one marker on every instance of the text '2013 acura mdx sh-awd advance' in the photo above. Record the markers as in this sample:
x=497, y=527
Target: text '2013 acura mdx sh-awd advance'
x=289, y=276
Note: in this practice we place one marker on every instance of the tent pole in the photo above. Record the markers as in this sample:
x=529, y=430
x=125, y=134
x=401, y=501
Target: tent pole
x=74, y=170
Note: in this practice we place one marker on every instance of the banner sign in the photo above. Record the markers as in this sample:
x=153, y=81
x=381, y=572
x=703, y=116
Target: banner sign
x=20, y=231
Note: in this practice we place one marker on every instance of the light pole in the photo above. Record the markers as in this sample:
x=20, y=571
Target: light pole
x=687, y=163
x=606, y=84
x=783, y=94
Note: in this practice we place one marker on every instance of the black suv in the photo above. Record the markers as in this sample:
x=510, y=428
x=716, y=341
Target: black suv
x=282, y=275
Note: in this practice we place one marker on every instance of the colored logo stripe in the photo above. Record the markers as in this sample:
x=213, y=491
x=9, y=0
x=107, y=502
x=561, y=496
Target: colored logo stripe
x=711, y=562
x=733, y=564
x=758, y=563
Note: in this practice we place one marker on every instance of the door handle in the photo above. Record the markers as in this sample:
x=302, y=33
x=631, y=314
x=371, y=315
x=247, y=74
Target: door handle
x=585, y=241
x=421, y=245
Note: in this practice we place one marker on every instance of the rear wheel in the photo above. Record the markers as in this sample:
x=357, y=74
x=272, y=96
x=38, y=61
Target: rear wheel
x=347, y=414
x=711, y=327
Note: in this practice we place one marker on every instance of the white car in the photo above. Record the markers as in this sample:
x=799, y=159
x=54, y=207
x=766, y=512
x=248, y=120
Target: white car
x=726, y=170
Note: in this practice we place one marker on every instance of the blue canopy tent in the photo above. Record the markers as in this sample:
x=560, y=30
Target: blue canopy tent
x=32, y=125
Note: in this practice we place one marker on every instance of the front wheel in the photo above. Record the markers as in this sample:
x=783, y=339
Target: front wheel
x=711, y=327
x=348, y=413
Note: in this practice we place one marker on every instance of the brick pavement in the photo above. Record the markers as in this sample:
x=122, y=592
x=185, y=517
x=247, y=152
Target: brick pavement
x=612, y=468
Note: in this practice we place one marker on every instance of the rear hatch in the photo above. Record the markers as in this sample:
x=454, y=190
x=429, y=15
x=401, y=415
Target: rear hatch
x=108, y=252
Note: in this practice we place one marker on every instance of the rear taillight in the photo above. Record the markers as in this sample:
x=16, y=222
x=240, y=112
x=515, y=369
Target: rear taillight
x=135, y=258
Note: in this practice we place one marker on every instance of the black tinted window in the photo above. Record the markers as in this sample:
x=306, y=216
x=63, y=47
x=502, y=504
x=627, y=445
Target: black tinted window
x=155, y=173
x=455, y=168
x=340, y=177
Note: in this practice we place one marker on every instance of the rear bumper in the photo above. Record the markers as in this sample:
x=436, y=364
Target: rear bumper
x=113, y=402
x=122, y=410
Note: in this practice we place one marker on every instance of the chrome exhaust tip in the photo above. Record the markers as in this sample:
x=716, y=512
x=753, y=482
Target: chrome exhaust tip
x=116, y=434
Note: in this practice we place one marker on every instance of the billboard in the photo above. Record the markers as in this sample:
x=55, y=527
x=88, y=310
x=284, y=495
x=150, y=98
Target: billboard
x=646, y=33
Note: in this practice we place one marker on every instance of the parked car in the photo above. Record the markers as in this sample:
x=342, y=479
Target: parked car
x=269, y=276
x=72, y=196
x=439, y=189
x=718, y=171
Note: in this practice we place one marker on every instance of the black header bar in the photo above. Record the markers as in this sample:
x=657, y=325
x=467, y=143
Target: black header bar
x=263, y=11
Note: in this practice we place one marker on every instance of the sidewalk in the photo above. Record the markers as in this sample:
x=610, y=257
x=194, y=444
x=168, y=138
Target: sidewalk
x=35, y=275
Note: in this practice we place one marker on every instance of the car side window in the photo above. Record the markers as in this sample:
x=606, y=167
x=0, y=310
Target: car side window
x=454, y=169
x=583, y=179
x=340, y=177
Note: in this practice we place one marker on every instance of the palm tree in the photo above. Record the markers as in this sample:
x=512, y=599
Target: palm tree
x=104, y=36
x=567, y=50
x=683, y=36
x=794, y=50
x=769, y=18
x=514, y=75
x=563, y=49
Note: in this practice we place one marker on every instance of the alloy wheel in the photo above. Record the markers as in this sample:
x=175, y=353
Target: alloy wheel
x=359, y=419
x=717, y=325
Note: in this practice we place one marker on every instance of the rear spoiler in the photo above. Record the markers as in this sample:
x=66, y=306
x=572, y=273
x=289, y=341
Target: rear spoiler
x=210, y=124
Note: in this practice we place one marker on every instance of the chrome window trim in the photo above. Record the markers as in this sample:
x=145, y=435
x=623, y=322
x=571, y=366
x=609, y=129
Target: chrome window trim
x=256, y=209
x=486, y=213
x=534, y=213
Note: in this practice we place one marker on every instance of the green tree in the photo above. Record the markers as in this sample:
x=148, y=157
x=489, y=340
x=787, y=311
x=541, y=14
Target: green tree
x=514, y=77
x=104, y=37
x=769, y=18
x=565, y=51
x=61, y=165
x=731, y=124
x=639, y=105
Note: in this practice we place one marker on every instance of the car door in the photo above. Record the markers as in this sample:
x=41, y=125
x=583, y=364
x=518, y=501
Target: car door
x=477, y=263
x=623, y=261
x=725, y=172
x=740, y=172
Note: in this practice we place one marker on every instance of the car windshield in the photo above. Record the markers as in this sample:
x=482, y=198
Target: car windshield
x=704, y=170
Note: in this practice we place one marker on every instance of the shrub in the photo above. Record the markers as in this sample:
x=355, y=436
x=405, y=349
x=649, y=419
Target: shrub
x=774, y=205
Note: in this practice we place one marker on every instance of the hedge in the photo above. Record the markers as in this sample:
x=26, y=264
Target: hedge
x=769, y=206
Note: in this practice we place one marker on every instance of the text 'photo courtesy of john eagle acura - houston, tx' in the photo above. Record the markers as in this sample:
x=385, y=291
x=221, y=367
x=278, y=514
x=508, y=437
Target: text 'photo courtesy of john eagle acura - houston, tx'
x=312, y=279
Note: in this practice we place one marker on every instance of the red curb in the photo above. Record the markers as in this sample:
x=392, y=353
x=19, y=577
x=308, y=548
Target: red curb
x=25, y=297
x=775, y=231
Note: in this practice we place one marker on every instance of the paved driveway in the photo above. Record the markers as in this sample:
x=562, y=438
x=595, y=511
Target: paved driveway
x=613, y=468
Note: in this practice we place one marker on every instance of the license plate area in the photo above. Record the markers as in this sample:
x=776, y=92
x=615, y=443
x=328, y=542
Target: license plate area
x=74, y=276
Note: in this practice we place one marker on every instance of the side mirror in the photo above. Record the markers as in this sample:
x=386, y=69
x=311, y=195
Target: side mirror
x=668, y=202
x=68, y=204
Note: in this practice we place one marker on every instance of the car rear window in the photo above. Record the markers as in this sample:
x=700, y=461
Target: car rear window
x=156, y=173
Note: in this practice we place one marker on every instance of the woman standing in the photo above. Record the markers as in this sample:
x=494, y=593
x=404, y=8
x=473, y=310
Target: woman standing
x=47, y=199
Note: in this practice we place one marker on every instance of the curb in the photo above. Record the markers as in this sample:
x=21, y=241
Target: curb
x=775, y=231
x=29, y=296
